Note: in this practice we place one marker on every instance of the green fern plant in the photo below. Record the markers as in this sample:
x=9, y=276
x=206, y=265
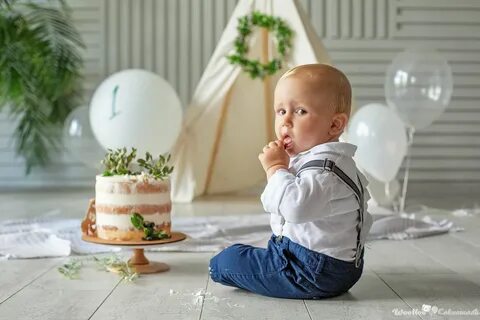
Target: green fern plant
x=40, y=65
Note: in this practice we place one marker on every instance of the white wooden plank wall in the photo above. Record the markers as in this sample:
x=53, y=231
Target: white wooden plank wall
x=175, y=38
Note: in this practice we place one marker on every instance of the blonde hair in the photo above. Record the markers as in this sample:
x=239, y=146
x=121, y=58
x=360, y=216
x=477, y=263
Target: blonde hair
x=326, y=78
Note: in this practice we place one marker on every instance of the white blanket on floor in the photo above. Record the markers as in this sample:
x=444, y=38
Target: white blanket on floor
x=52, y=236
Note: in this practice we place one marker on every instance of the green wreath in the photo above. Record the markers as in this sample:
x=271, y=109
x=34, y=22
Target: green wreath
x=283, y=35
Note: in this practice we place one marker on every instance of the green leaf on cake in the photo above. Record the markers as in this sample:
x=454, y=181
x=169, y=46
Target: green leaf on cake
x=118, y=162
x=137, y=220
x=159, y=169
x=148, y=228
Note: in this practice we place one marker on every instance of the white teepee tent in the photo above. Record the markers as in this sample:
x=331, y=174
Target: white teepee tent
x=231, y=116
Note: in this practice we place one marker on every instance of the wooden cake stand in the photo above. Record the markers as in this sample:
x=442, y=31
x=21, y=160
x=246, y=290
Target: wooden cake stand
x=138, y=259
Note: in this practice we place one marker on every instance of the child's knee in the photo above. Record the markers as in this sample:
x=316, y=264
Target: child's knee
x=216, y=265
x=226, y=256
x=212, y=268
x=221, y=263
x=216, y=269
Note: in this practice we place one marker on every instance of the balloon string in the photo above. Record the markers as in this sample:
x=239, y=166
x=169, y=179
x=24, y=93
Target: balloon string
x=410, y=133
x=387, y=190
x=387, y=198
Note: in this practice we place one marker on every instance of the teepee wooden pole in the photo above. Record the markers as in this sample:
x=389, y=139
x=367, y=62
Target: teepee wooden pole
x=218, y=136
x=267, y=87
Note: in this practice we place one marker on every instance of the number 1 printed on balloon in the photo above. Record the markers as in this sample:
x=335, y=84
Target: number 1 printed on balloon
x=114, y=101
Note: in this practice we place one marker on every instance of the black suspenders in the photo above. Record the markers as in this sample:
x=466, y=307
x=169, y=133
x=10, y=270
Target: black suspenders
x=330, y=166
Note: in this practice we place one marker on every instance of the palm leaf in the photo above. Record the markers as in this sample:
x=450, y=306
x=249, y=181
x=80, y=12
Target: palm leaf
x=40, y=64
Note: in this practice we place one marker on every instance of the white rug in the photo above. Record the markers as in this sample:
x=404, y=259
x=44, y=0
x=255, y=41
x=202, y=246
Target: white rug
x=50, y=236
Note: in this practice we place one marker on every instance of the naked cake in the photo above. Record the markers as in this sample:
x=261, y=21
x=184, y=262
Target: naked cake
x=131, y=205
x=117, y=198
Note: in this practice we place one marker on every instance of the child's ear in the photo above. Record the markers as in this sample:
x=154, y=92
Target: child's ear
x=339, y=122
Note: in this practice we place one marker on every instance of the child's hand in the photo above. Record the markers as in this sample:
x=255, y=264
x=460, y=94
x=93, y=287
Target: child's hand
x=274, y=157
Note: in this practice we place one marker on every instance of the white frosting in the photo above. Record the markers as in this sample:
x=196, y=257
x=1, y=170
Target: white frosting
x=143, y=177
x=120, y=199
x=111, y=191
x=123, y=222
x=108, y=192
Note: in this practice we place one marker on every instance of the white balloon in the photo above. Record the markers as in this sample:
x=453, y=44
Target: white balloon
x=383, y=193
x=418, y=86
x=79, y=140
x=381, y=140
x=136, y=108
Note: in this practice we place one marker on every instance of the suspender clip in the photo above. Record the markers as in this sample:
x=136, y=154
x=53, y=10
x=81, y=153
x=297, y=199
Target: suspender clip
x=358, y=255
x=328, y=165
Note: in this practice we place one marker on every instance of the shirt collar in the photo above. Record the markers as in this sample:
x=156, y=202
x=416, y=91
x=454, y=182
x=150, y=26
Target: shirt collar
x=338, y=148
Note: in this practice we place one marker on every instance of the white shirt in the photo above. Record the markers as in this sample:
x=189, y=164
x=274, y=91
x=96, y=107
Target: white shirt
x=317, y=209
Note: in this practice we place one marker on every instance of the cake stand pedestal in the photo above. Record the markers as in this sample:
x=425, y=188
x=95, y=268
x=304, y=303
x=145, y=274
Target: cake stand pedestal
x=138, y=260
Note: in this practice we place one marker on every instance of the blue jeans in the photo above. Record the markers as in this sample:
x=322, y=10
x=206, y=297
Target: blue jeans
x=284, y=270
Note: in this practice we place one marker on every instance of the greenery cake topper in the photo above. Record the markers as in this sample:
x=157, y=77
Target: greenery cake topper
x=119, y=162
x=283, y=36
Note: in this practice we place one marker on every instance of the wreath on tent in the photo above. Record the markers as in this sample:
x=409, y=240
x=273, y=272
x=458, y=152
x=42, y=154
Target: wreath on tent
x=283, y=36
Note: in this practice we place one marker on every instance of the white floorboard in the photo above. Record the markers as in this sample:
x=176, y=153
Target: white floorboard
x=17, y=274
x=391, y=256
x=236, y=303
x=51, y=296
x=167, y=295
x=369, y=299
x=457, y=255
x=445, y=291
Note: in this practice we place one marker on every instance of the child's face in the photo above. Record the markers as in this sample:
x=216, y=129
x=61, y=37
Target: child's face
x=302, y=118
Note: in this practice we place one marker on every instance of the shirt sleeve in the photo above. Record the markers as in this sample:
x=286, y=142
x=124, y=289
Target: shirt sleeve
x=298, y=199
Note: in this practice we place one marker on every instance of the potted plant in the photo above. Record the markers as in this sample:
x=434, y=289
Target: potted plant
x=40, y=80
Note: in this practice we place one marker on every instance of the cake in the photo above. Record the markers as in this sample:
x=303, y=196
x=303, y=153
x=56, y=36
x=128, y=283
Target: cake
x=118, y=197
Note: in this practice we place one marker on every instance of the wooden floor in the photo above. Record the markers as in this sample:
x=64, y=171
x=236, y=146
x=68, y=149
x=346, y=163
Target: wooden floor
x=400, y=277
